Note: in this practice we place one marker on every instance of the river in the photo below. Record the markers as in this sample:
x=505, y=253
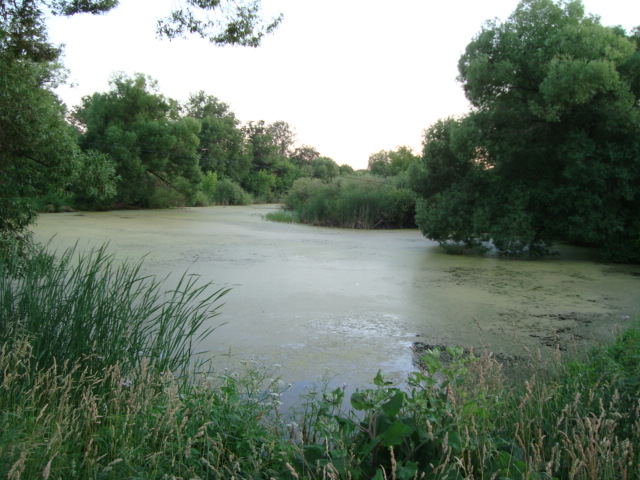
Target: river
x=345, y=303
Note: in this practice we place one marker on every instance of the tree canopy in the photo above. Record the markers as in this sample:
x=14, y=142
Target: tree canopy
x=551, y=148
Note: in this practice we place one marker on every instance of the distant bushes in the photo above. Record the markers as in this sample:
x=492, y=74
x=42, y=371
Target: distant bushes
x=228, y=192
x=352, y=202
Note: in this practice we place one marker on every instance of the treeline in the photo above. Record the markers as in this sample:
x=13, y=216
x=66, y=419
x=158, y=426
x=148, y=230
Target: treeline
x=159, y=153
x=549, y=152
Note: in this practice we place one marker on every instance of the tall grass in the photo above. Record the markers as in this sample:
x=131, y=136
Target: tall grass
x=66, y=423
x=352, y=202
x=466, y=420
x=86, y=307
x=93, y=386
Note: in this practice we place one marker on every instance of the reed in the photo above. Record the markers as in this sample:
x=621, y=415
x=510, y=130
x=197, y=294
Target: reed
x=86, y=307
x=352, y=202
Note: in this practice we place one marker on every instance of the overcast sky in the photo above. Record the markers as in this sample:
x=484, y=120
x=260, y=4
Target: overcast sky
x=352, y=77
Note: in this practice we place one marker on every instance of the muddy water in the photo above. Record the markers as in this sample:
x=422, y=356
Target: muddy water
x=347, y=302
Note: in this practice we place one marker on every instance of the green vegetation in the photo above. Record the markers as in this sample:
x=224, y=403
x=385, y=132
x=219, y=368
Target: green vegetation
x=94, y=360
x=550, y=150
x=351, y=202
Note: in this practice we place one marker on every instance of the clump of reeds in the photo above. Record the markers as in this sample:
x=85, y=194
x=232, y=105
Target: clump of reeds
x=87, y=307
x=98, y=379
x=352, y=202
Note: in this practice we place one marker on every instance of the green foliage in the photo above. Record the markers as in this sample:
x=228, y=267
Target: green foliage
x=209, y=184
x=39, y=154
x=142, y=133
x=261, y=182
x=404, y=433
x=234, y=23
x=357, y=202
x=229, y=192
x=459, y=418
x=550, y=151
x=324, y=168
x=304, y=155
x=391, y=163
x=86, y=308
x=282, y=217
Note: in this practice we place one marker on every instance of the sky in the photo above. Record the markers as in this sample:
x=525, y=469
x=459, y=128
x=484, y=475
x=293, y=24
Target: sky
x=352, y=77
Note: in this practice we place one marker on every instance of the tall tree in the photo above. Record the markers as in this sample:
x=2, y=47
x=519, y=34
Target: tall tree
x=551, y=149
x=283, y=136
x=38, y=148
x=143, y=133
x=303, y=156
x=222, y=148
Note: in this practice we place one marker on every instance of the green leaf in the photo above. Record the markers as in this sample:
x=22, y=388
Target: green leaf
x=455, y=442
x=379, y=381
x=360, y=402
x=393, y=406
x=379, y=475
x=432, y=361
x=396, y=433
x=407, y=471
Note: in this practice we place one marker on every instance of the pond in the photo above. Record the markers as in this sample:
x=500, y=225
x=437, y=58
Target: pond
x=345, y=303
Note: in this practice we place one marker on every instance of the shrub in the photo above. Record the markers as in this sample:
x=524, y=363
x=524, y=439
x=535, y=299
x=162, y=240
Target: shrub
x=462, y=418
x=229, y=192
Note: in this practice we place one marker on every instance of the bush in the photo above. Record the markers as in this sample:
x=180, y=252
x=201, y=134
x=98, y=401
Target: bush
x=229, y=192
x=461, y=418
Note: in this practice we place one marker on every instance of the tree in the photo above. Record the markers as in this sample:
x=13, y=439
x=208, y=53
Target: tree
x=325, y=168
x=283, y=136
x=391, y=163
x=304, y=155
x=222, y=148
x=551, y=149
x=379, y=163
x=401, y=159
x=38, y=148
x=261, y=146
x=143, y=133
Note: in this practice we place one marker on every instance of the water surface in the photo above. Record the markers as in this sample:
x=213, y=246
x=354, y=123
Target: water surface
x=350, y=302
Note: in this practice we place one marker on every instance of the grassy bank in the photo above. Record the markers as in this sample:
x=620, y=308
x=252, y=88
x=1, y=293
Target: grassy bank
x=95, y=386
